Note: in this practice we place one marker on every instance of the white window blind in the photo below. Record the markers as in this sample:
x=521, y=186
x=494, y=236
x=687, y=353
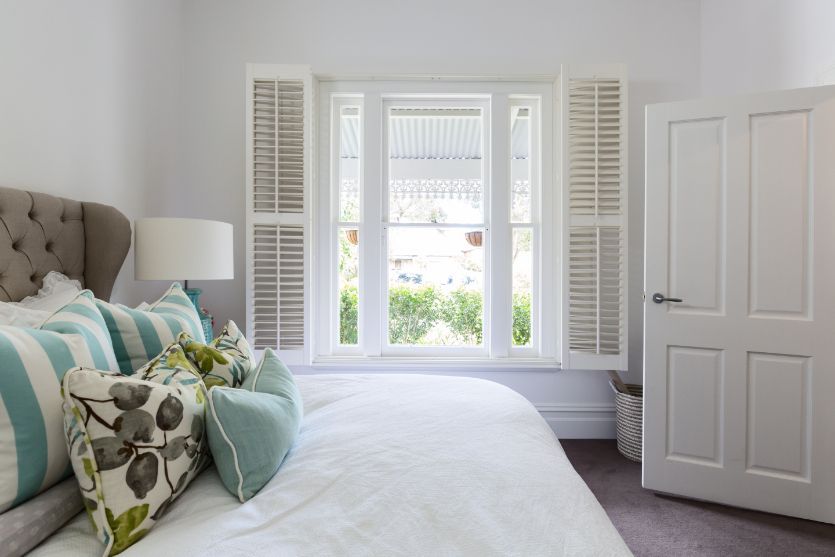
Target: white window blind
x=594, y=332
x=278, y=116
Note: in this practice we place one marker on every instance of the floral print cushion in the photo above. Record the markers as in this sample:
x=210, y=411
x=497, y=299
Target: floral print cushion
x=225, y=361
x=135, y=442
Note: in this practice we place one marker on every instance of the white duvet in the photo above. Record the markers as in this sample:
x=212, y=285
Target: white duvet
x=392, y=465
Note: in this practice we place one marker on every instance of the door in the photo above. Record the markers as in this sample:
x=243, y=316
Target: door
x=739, y=375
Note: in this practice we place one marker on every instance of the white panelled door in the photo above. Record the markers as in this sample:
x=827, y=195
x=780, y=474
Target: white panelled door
x=739, y=369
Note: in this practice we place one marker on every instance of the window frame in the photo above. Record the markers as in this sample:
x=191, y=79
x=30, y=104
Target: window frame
x=334, y=156
x=498, y=97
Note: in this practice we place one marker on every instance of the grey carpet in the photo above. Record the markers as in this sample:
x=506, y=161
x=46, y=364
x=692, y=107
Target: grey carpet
x=657, y=525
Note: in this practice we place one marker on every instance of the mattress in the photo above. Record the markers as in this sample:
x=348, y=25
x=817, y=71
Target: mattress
x=392, y=465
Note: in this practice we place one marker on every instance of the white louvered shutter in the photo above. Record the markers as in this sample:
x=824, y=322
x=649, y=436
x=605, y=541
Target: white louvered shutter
x=594, y=325
x=278, y=146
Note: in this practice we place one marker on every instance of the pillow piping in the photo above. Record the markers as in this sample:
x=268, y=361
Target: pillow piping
x=93, y=471
x=230, y=443
x=257, y=371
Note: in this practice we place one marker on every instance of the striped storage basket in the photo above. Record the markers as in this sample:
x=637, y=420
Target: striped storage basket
x=628, y=419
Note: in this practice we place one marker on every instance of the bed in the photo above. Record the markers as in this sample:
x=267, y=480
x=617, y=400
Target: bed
x=385, y=464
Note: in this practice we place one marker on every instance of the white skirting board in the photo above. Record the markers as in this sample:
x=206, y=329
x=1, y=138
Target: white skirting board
x=580, y=420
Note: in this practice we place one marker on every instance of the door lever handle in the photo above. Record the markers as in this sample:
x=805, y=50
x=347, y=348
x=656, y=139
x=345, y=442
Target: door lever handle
x=659, y=298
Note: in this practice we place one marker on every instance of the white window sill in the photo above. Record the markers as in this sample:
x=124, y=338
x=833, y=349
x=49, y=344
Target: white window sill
x=427, y=364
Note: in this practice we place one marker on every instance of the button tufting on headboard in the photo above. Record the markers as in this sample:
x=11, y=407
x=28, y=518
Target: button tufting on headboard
x=40, y=233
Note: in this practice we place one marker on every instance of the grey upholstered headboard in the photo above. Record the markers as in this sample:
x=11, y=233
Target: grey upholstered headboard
x=40, y=233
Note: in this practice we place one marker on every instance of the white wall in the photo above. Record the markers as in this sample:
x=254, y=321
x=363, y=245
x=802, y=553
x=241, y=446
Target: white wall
x=657, y=39
x=760, y=45
x=89, y=103
x=140, y=103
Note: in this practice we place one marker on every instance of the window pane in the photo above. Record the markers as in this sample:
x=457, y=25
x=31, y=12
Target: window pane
x=522, y=285
x=436, y=286
x=520, y=163
x=348, y=283
x=349, y=159
x=435, y=165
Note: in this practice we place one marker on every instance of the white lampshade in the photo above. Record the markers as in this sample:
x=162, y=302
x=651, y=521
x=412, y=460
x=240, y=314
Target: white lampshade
x=182, y=249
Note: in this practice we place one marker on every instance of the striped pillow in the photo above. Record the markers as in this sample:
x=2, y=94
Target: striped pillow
x=82, y=317
x=33, y=452
x=140, y=335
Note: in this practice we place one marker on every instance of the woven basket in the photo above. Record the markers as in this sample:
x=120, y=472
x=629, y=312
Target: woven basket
x=628, y=419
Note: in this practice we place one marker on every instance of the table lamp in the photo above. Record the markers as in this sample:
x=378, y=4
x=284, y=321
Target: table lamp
x=184, y=249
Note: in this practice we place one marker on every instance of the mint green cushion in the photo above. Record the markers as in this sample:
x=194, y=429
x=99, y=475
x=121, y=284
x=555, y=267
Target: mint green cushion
x=251, y=429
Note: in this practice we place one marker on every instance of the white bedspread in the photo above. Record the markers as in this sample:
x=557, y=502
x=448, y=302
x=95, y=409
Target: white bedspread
x=392, y=465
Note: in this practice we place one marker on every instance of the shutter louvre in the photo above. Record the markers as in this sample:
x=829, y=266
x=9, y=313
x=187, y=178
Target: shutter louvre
x=594, y=146
x=278, y=145
x=291, y=287
x=594, y=217
x=278, y=169
x=595, y=290
x=265, y=286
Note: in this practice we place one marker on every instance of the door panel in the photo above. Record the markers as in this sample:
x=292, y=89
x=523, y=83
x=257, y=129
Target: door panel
x=697, y=231
x=780, y=193
x=739, y=378
x=694, y=379
x=778, y=415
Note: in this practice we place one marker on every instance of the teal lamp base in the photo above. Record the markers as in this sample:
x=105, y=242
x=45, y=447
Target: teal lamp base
x=206, y=319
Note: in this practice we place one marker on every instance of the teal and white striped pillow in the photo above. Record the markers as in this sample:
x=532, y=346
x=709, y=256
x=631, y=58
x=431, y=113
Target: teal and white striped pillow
x=82, y=317
x=33, y=452
x=140, y=335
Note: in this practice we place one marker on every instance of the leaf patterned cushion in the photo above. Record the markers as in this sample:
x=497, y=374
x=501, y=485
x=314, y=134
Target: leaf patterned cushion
x=225, y=361
x=138, y=335
x=135, y=443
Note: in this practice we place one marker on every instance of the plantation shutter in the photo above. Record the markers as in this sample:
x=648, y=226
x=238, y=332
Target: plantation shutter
x=594, y=325
x=278, y=140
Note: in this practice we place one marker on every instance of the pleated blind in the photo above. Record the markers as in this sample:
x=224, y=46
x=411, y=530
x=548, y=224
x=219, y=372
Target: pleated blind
x=594, y=218
x=278, y=163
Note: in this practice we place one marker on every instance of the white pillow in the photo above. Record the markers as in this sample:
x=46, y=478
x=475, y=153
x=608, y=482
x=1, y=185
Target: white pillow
x=18, y=316
x=56, y=292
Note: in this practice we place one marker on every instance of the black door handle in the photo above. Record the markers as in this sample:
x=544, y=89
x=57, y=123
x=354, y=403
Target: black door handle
x=659, y=298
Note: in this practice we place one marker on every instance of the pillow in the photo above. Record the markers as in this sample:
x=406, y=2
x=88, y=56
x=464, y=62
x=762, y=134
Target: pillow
x=25, y=526
x=18, y=316
x=251, y=429
x=82, y=317
x=172, y=357
x=223, y=362
x=32, y=452
x=135, y=443
x=139, y=336
x=57, y=290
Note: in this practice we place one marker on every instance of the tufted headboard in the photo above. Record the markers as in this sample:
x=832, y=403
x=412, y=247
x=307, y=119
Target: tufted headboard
x=40, y=233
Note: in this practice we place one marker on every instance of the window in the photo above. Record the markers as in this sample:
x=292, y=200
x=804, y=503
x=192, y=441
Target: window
x=436, y=219
x=434, y=224
x=431, y=213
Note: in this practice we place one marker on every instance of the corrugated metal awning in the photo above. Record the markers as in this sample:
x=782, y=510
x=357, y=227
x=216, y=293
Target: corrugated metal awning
x=435, y=134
